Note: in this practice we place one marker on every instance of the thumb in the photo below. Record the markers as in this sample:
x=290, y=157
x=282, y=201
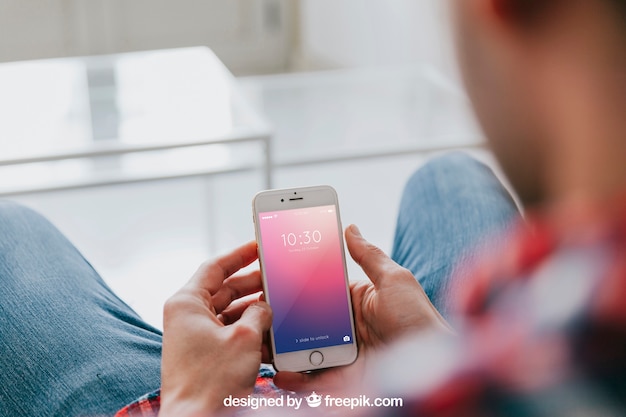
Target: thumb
x=374, y=262
x=257, y=316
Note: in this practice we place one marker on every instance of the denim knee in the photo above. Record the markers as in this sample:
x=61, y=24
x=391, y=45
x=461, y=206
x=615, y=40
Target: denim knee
x=20, y=225
x=458, y=164
x=12, y=214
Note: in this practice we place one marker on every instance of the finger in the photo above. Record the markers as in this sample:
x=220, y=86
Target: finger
x=236, y=287
x=234, y=311
x=266, y=349
x=374, y=262
x=258, y=317
x=266, y=352
x=210, y=276
x=293, y=381
x=314, y=381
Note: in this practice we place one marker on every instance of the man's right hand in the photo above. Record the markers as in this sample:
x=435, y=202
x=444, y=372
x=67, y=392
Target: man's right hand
x=391, y=304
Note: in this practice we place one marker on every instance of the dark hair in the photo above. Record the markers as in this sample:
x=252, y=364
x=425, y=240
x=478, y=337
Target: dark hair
x=620, y=5
x=529, y=10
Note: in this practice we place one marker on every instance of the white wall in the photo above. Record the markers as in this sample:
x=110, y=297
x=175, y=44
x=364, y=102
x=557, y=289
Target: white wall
x=350, y=33
x=248, y=35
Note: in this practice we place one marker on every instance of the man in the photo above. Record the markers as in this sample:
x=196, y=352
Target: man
x=539, y=329
x=543, y=330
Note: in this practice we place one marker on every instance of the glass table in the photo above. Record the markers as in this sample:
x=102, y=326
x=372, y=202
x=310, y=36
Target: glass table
x=361, y=114
x=104, y=120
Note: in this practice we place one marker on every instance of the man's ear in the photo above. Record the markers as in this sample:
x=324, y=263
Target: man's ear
x=510, y=16
x=522, y=13
x=510, y=10
x=493, y=12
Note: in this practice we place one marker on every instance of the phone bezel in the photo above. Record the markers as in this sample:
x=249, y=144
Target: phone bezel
x=296, y=198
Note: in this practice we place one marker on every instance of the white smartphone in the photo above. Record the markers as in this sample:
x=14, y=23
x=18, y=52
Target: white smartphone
x=303, y=263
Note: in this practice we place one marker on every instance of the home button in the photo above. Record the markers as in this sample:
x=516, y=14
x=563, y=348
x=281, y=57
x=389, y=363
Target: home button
x=316, y=358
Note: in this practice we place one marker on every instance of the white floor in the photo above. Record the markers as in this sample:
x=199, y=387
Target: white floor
x=147, y=239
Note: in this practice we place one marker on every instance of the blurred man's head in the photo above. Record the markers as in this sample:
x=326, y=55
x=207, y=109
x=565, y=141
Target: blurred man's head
x=547, y=78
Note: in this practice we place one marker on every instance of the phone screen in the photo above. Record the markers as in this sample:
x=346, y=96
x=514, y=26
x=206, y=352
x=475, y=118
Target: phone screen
x=306, y=281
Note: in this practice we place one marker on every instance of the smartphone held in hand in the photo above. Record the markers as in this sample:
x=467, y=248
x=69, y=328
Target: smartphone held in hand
x=302, y=257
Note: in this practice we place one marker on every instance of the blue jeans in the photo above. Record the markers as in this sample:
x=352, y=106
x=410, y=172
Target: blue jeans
x=451, y=209
x=70, y=347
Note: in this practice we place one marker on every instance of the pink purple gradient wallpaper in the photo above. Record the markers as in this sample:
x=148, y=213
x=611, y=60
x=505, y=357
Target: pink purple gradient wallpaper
x=305, y=278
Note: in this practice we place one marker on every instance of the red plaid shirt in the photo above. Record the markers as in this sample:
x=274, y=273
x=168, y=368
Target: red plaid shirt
x=542, y=329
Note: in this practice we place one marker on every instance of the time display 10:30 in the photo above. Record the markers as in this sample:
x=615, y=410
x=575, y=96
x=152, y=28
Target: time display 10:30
x=305, y=238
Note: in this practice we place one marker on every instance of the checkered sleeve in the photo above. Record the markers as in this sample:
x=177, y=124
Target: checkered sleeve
x=544, y=330
x=146, y=406
x=149, y=404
